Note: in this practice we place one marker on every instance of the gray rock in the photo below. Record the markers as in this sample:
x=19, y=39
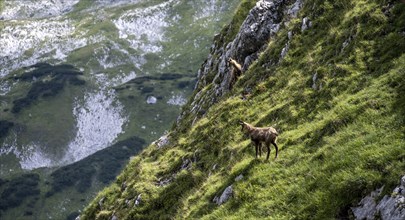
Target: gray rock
x=138, y=200
x=165, y=181
x=262, y=23
x=284, y=51
x=151, y=100
x=314, y=78
x=128, y=202
x=162, y=141
x=225, y=196
x=214, y=167
x=367, y=206
x=294, y=9
x=100, y=202
x=114, y=217
x=186, y=164
x=290, y=35
x=391, y=207
x=306, y=23
x=239, y=178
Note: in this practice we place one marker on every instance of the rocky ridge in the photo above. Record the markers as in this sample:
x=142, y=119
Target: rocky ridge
x=389, y=207
x=260, y=26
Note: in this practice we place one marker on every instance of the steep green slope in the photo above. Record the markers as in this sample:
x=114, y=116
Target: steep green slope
x=337, y=100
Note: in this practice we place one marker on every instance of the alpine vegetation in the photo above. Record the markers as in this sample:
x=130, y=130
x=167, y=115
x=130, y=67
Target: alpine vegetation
x=330, y=74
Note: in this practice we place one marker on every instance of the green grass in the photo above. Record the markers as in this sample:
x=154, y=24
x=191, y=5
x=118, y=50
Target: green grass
x=49, y=121
x=338, y=142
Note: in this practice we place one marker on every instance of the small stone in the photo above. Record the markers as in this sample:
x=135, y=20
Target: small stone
x=226, y=195
x=186, y=164
x=100, y=203
x=151, y=100
x=289, y=35
x=306, y=23
x=239, y=178
x=138, y=200
x=162, y=141
x=284, y=51
x=214, y=167
x=114, y=217
x=215, y=199
x=314, y=78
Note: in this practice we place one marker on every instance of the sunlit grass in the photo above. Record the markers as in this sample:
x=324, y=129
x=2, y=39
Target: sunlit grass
x=338, y=141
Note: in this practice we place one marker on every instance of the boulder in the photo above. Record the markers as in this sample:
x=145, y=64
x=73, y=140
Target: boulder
x=225, y=196
x=162, y=141
x=390, y=207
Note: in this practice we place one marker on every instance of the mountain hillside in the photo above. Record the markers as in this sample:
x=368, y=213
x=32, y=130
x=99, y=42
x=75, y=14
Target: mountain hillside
x=85, y=85
x=328, y=75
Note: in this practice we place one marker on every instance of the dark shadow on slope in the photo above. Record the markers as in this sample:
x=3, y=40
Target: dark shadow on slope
x=103, y=166
x=5, y=126
x=47, y=81
x=16, y=190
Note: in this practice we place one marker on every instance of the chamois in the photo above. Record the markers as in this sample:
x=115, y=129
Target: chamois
x=266, y=135
x=235, y=72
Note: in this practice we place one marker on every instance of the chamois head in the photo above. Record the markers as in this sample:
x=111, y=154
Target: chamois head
x=232, y=61
x=243, y=124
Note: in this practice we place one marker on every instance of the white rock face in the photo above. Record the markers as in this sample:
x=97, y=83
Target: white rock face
x=25, y=43
x=24, y=9
x=30, y=156
x=144, y=28
x=178, y=99
x=100, y=119
x=211, y=8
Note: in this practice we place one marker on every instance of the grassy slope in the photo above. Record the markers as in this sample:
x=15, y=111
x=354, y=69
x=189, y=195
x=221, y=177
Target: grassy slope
x=338, y=143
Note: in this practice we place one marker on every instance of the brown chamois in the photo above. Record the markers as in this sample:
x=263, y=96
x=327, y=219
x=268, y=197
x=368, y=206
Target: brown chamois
x=266, y=135
x=236, y=71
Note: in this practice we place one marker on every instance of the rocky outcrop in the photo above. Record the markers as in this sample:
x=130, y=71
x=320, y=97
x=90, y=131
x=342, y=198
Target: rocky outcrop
x=391, y=207
x=162, y=141
x=225, y=196
x=262, y=23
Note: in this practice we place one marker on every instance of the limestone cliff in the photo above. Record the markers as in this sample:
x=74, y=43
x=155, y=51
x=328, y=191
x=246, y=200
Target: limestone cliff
x=261, y=24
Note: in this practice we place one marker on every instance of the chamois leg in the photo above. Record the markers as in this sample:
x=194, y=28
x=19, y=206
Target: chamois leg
x=256, y=147
x=260, y=149
x=275, y=145
x=268, y=151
